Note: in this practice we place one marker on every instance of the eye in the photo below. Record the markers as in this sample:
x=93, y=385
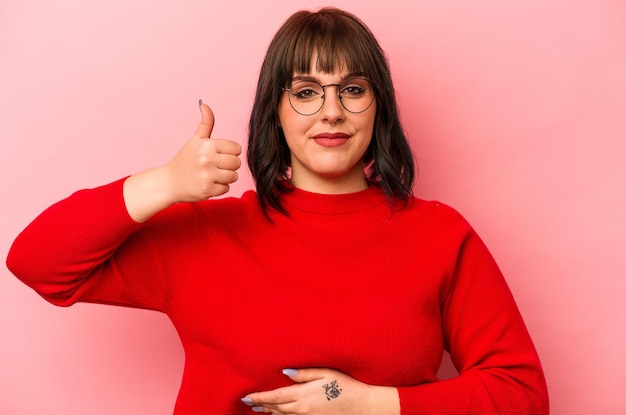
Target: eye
x=305, y=94
x=353, y=91
x=354, y=88
x=306, y=91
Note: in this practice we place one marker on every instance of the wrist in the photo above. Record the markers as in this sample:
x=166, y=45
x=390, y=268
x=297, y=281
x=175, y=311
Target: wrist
x=147, y=193
x=383, y=400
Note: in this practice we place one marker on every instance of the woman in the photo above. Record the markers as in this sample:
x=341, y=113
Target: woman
x=329, y=290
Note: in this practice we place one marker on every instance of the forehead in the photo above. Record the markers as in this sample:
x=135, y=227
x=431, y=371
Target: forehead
x=319, y=60
x=320, y=64
x=320, y=71
x=325, y=78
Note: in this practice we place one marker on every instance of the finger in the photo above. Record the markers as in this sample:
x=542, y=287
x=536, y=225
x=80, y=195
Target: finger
x=226, y=147
x=218, y=153
x=218, y=189
x=227, y=161
x=305, y=375
x=206, y=121
x=278, y=396
x=225, y=177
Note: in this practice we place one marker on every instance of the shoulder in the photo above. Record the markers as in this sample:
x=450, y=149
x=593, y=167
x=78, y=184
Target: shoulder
x=200, y=218
x=229, y=212
x=436, y=224
x=436, y=213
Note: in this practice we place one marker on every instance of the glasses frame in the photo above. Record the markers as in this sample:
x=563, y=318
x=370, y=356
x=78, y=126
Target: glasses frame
x=323, y=97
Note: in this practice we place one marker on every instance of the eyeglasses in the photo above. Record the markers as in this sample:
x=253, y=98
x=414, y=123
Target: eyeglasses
x=307, y=96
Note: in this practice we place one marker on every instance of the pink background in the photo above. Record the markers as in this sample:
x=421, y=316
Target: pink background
x=516, y=110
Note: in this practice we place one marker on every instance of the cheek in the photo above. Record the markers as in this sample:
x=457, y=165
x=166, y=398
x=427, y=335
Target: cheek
x=293, y=124
x=285, y=111
x=370, y=121
x=285, y=116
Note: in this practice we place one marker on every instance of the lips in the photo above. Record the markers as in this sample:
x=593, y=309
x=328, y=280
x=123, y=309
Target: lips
x=331, y=139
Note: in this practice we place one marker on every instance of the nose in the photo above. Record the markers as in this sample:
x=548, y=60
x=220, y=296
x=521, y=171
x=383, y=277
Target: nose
x=332, y=108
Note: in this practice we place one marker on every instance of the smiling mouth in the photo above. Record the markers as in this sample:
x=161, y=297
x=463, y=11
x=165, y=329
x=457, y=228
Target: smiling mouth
x=331, y=139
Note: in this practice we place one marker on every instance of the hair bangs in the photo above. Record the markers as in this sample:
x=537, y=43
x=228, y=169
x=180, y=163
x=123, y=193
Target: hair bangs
x=334, y=44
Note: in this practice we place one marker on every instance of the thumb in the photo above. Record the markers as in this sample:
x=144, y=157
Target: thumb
x=206, y=122
x=305, y=375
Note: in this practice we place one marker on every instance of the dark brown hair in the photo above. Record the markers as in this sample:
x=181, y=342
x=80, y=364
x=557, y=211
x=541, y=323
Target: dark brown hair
x=341, y=41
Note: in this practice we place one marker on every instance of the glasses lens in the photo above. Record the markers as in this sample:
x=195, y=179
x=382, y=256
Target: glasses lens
x=356, y=94
x=307, y=97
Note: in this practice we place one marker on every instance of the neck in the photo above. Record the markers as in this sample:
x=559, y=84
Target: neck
x=331, y=185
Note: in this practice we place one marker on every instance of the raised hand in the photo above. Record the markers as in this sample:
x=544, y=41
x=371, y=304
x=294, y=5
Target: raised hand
x=203, y=168
x=318, y=391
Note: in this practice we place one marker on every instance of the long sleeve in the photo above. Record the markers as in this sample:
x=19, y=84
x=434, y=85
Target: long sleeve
x=380, y=292
x=499, y=370
x=87, y=248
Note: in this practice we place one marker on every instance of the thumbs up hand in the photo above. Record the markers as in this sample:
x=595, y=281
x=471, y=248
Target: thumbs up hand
x=204, y=167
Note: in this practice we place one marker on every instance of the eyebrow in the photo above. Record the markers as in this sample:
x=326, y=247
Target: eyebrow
x=314, y=79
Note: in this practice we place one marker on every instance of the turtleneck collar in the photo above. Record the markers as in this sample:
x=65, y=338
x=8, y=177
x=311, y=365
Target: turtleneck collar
x=333, y=204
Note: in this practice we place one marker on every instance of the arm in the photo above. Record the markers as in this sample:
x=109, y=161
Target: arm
x=92, y=246
x=202, y=169
x=499, y=369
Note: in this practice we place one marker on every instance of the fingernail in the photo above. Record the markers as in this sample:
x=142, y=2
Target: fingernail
x=247, y=401
x=257, y=408
x=200, y=102
x=290, y=372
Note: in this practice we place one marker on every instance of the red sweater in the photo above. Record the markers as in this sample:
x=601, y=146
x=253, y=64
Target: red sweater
x=344, y=282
